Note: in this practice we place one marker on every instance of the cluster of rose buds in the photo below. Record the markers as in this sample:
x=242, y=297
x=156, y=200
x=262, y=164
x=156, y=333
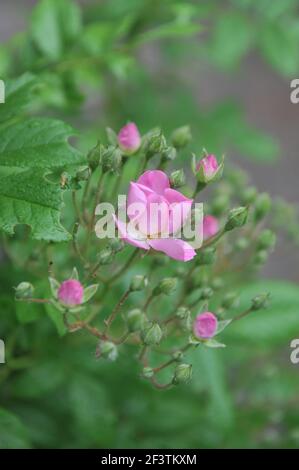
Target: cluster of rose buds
x=194, y=303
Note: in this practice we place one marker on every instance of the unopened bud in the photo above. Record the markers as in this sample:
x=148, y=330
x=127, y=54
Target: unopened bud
x=147, y=372
x=138, y=282
x=94, y=155
x=107, y=350
x=106, y=256
x=182, y=312
x=168, y=154
x=260, y=301
x=116, y=244
x=242, y=243
x=136, y=320
x=181, y=137
x=230, y=300
x=206, y=256
x=260, y=257
x=236, y=218
x=182, y=374
x=151, y=334
x=178, y=355
x=266, y=239
x=217, y=283
x=262, y=206
x=154, y=143
x=177, y=178
x=83, y=174
x=206, y=293
x=167, y=286
x=111, y=158
x=24, y=290
x=249, y=195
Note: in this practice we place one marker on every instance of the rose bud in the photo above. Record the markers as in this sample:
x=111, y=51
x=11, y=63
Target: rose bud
x=71, y=292
x=129, y=138
x=205, y=325
x=208, y=169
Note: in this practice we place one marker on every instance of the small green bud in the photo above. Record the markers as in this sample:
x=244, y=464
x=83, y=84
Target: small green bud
x=147, y=372
x=182, y=312
x=154, y=143
x=220, y=204
x=116, y=244
x=260, y=301
x=206, y=256
x=178, y=356
x=217, y=283
x=260, y=257
x=230, y=300
x=111, y=158
x=206, y=293
x=236, y=218
x=249, y=195
x=107, y=350
x=177, y=178
x=106, y=256
x=167, y=286
x=136, y=320
x=83, y=174
x=182, y=374
x=24, y=290
x=266, y=239
x=94, y=156
x=242, y=243
x=262, y=206
x=168, y=154
x=181, y=137
x=151, y=334
x=138, y=282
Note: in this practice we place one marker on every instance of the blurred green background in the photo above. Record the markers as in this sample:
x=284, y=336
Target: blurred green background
x=224, y=67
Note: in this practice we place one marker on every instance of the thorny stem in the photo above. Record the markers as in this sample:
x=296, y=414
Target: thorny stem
x=75, y=243
x=116, y=309
x=124, y=268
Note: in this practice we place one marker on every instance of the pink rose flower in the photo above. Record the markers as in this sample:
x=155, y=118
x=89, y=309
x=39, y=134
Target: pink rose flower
x=209, y=166
x=210, y=226
x=161, y=212
x=71, y=292
x=129, y=138
x=205, y=325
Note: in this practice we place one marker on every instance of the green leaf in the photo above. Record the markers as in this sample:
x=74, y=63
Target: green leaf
x=28, y=312
x=13, y=434
x=169, y=30
x=56, y=318
x=54, y=285
x=222, y=324
x=213, y=343
x=18, y=94
x=276, y=325
x=38, y=143
x=54, y=24
x=231, y=39
x=27, y=198
x=278, y=42
x=89, y=292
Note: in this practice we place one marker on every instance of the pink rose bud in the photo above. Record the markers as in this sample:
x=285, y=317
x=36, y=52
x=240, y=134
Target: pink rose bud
x=210, y=226
x=209, y=166
x=205, y=325
x=71, y=292
x=129, y=138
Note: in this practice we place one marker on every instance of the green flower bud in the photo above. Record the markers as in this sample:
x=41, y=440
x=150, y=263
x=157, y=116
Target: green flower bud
x=151, y=334
x=177, y=178
x=262, y=206
x=154, y=143
x=138, y=282
x=260, y=301
x=182, y=312
x=106, y=256
x=178, y=356
x=111, y=158
x=136, y=320
x=116, y=244
x=168, y=154
x=220, y=204
x=167, y=286
x=230, y=300
x=217, y=283
x=107, y=350
x=181, y=137
x=24, y=290
x=206, y=256
x=236, y=218
x=147, y=372
x=242, y=243
x=83, y=174
x=206, y=293
x=260, y=257
x=249, y=195
x=182, y=374
x=266, y=239
x=94, y=155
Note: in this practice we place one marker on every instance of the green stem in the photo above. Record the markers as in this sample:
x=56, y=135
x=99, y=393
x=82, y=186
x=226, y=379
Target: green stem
x=116, y=309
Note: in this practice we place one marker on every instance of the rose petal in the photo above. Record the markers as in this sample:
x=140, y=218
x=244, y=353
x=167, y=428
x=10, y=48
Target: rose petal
x=130, y=237
x=156, y=180
x=174, y=248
